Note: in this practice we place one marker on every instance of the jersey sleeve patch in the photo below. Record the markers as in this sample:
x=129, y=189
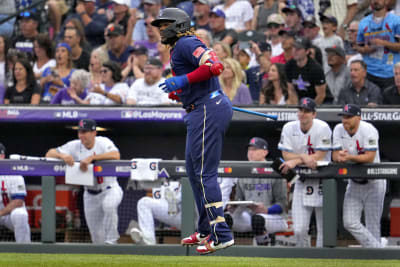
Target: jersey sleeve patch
x=198, y=52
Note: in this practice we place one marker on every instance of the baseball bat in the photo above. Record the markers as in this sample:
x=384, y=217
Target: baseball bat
x=272, y=117
x=23, y=157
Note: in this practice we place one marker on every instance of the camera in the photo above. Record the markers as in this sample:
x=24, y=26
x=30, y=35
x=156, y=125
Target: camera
x=323, y=6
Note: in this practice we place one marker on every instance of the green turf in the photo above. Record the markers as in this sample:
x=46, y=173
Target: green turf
x=33, y=260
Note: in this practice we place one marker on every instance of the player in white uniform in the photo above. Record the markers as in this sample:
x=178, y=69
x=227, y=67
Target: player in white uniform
x=101, y=201
x=165, y=206
x=265, y=216
x=357, y=141
x=304, y=142
x=13, y=213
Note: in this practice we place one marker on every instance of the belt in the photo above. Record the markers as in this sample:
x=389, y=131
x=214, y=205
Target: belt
x=212, y=95
x=360, y=181
x=96, y=192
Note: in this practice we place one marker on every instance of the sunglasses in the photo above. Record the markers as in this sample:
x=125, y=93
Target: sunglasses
x=104, y=71
x=25, y=14
x=273, y=26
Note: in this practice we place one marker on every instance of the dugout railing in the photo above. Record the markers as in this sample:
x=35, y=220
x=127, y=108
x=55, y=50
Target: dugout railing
x=176, y=170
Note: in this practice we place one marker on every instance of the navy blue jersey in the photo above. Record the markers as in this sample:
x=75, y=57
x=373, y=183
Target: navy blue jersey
x=185, y=58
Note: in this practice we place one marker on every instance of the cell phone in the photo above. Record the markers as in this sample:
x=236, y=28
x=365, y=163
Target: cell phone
x=244, y=45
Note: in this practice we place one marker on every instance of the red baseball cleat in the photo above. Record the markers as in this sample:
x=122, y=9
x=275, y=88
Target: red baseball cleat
x=193, y=239
x=209, y=246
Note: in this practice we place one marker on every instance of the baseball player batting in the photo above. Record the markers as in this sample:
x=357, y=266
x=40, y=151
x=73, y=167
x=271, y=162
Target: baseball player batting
x=304, y=142
x=101, y=201
x=357, y=141
x=13, y=213
x=209, y=112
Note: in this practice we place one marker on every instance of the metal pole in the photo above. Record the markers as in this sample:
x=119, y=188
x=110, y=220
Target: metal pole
x=330, y=212
x=48, y=209
x=188, y=208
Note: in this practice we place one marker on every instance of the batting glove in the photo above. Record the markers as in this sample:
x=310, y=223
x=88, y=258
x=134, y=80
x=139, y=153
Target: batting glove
x=174, y=83
x=174, y=95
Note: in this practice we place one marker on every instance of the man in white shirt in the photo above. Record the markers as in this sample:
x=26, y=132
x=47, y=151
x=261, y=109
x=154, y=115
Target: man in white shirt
x=239, y=14
x=13, y=213
x=145, y=91
x=101, y=201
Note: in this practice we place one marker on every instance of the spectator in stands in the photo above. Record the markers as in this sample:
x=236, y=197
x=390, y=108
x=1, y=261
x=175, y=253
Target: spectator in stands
x=80, y=57
x=57, y=9
x=12, y=56
x=256, y=76
x=275, y=24
x=75, y=23
x=118, y=50
x=112, y=91
x=154, y=38
x=360, y=91
x=29, y=22
x=150, y=8
x=243, y=55
x=311, y=29
x=4, y=45
x=13, y=213
x=123, y=16
x=97, y=59
x=305, y=6
x=275, y=92
x=135, y=65
x=145, y=91
x=288, y=39
x=25, y=89
x=80, y=81
x=205, y=36
x=238, y=14
x=379, y=46
x=293, y=19
x=92, y=21
x=7, y=8
x=218, y=30
x=164, y=52
x=101, y=200
x=263, y=11
x=222, y=50
x=343, y=10
x=55, y=78
x=231, y=80
x=330, y=39
x=201, y=14
x=338, y=77
x=265, y=215
x=305, y=76
x=351, y=42
x=391, y=95
x=44, y=57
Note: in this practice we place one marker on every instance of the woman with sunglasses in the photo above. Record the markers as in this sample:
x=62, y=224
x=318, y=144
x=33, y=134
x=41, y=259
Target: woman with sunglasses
x=111, y=91
x=58, y=77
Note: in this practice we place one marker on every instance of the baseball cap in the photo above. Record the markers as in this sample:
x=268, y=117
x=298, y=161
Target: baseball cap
x=62, y=44
x=307, y=103
x=292, y=9
x=29, y=15
x=122, y=2
x=329, y=19
x=287, y=32
x=275, y=18
x=310, y=20
x=302, y=42
x=264, y=46
x=140, y=50
x=204, y=2
x=337, y=50
x=87, y=125
x=155, y=62
x=2, y=149
x=115, y=30
x=152, y=2
x=255, y=36
x=350, y=110
x=218, y=12
x=258, y=142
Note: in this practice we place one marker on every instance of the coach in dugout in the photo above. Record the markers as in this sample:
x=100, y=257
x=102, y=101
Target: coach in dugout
x=101, y=200
x=264, y=217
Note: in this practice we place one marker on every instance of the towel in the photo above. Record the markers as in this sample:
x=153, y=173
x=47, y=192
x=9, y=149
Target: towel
x=144, y=169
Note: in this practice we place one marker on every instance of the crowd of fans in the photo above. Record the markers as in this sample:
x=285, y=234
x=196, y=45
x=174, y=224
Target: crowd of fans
x=275, y=52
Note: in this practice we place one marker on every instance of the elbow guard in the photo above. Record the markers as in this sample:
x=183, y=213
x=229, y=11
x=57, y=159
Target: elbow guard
x=209, y=66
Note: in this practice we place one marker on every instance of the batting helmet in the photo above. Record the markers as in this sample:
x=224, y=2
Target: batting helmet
x=180, y=23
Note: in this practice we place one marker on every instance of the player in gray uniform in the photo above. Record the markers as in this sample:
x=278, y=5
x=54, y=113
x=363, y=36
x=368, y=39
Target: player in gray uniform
x=266, y=215
x=357, y=141
x=13, y=213
x=101, y=201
